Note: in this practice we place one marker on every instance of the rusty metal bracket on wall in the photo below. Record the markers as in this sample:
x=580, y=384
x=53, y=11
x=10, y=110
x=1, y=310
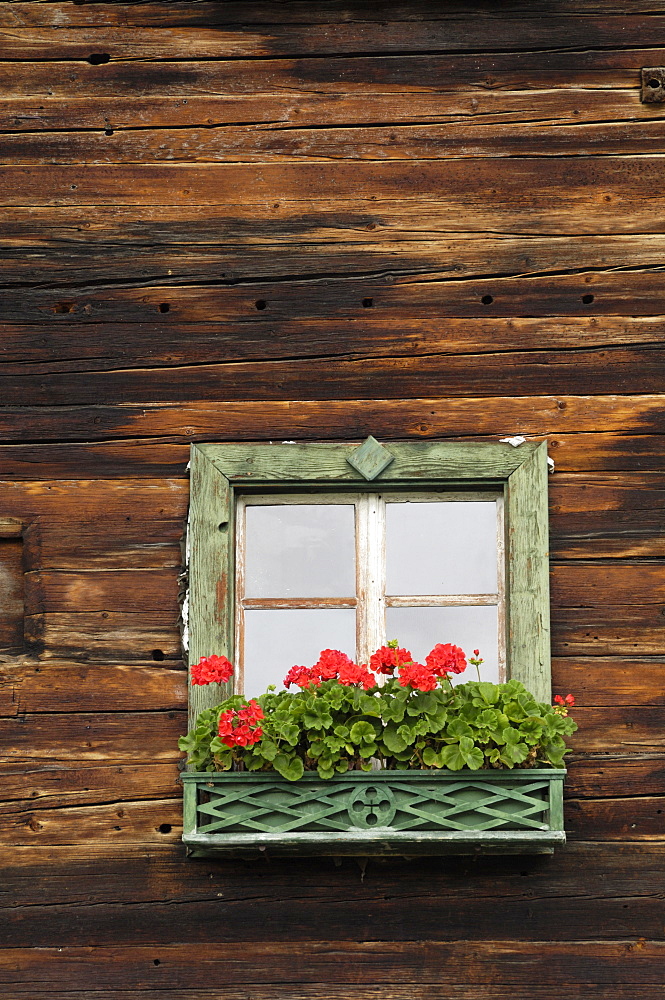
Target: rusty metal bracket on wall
x=653, y=85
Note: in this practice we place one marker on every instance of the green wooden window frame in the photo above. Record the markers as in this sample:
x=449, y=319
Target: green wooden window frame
x=219, y=472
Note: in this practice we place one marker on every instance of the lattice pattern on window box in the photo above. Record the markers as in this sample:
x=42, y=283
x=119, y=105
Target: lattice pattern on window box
x=378, y=812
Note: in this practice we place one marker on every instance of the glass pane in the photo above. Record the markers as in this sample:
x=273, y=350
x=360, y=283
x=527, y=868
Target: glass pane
x=419, y=630
x=300, y=550
x=277, y=640
x=443, y=547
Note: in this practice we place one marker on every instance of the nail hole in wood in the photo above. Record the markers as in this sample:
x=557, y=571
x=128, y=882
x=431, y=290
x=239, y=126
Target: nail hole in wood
x=587, y=299
x=164, y=827
x=260, y=303
x=108, y=131
x=157, y=654
x=368, y=303
x=98, y=58
x=163, y=307
x=64, y=307
x=487, y=300
x=156, y=961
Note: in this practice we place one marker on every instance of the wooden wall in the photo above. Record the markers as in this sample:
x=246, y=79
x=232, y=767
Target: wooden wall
x=266, y=220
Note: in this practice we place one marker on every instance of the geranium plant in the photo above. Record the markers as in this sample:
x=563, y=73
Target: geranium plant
x=342, y=719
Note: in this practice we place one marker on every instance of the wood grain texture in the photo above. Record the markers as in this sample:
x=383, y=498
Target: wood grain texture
x=271, y=39
x=607, y=370
x=629, y=961
x=212, y=914
x=104, y=636
x=316, y=992
x=437, y=417
x=27, y=686
x=46, y=13
x=525, y=193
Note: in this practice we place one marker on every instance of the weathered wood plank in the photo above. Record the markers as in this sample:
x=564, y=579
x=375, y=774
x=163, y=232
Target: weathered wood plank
x=28, y=687
x=50, y=345
x=111, y=736
x=138, y=822
x=92, y=591
x=465, y=916
x=95, y=500
x=619, y=728
x=621, y=962
x=285, y=305
x=609, y=370
x=11, y=593
x=177, y=14
x=596, y=585
x=559, y=991
x=265, y=40
x=609, y=775
x=498, y=416
x=356, y=104
x=620, y=819
x=115, y=873
x=354, y=245
x=26, y=788
x=231, y=241
x=310, y=83
x=512, y=193
x=97, y=873
x=606, y=680
x=105, y=636
x=123, y=544
x=392, y=141
x=619, y=492
x=608, y=534
x=615, y=630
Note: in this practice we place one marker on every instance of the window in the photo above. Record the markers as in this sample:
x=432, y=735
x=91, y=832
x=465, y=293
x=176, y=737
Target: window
x=344, y=546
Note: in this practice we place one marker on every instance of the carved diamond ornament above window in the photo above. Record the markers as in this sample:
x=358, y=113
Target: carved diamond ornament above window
x=370, y=459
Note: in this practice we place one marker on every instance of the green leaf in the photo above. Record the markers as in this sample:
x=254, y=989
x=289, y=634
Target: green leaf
x=457, y=728
x=268, y=749
x=473, y=757
x=489, y=693
x=363, y=732
x=431, y=758
x=393, y=740
x=290, y=768
x=452, y=757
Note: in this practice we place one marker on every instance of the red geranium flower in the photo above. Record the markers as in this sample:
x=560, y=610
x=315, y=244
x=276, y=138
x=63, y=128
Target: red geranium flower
x=239, y=729
x=569, y=700
x=211, y=670
x=304, y=677
x=353, y=673
x=417, y=675
x=387, y=658
x=251, y=713
x=446, y=659
x=329, y=663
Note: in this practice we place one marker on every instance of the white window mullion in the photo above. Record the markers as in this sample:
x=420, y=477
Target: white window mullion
x=370, y=575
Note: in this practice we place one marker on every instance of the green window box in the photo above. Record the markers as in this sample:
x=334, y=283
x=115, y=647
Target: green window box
x=375, y=813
